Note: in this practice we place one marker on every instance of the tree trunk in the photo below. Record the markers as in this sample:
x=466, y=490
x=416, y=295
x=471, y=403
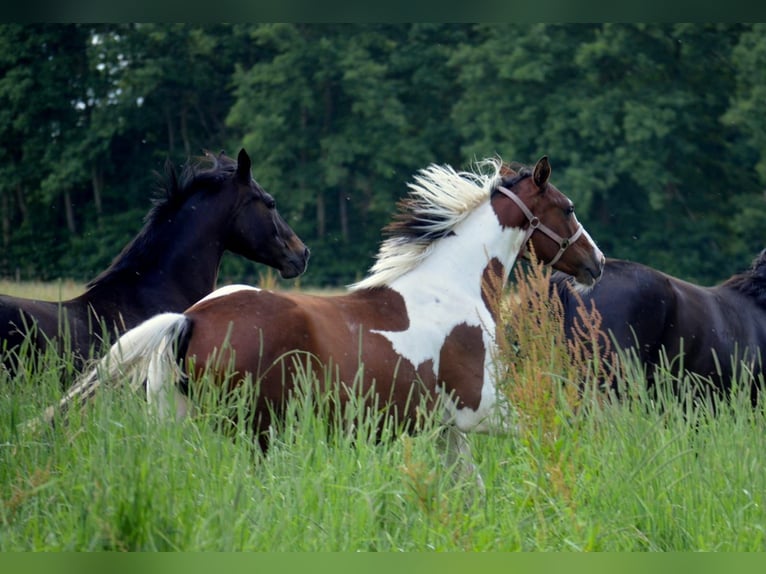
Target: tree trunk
x=97, y=176
x=343, y=214
x=185, y=131
x=171, y=134
x=69, y=211
x=6, y=215
x=22, y=204
x=321, y=219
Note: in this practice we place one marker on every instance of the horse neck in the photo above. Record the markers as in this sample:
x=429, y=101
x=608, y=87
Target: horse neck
x=192, y=254
x=470, y=264
x=174, y=264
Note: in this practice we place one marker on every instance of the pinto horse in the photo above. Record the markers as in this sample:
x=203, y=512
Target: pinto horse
x=705, y=331
x=172, y=262
x=420, y=329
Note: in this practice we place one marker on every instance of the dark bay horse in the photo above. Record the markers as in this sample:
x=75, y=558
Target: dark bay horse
x=419, y=329
x=212, y=206
x=708, y=331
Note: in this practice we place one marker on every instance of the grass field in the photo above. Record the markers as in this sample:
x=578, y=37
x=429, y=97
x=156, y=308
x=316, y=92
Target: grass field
x=582, y=474
x=46, y=291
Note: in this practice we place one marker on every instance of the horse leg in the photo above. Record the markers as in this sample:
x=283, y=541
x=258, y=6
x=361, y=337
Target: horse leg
x=458, y=457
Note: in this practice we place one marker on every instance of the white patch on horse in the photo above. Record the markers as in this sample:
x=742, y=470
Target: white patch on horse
x=436, y=304
x=228, y=290
x=442, y=198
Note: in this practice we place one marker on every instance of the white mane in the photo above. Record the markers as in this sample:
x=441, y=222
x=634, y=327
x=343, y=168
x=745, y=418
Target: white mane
x=439, y=199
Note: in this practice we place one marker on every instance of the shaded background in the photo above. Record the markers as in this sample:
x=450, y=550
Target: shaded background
x=655, y=131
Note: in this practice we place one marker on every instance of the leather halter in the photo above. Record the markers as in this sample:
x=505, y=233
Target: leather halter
x=535, y=224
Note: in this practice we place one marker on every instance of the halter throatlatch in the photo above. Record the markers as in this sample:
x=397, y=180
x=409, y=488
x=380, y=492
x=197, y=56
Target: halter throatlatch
x=535, y=224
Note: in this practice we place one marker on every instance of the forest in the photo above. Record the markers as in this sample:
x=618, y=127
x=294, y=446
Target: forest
x=656, y=131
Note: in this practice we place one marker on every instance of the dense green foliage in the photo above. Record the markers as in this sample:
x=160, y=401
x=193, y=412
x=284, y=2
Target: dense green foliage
x=656, y=131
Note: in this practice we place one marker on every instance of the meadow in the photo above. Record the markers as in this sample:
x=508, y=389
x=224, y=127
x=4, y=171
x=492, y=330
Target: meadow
x=652, y=472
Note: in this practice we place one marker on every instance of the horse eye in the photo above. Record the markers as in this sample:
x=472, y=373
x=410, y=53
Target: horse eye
x=569, y=210
x=270, y=202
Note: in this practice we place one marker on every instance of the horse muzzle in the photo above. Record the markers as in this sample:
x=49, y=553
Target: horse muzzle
x=296, y=264
x=591, y=272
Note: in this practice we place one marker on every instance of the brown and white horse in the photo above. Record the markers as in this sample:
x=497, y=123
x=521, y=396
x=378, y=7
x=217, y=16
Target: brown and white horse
x=419, y=329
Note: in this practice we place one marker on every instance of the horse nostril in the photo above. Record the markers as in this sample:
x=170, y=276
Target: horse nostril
x=306, y=253
x=597, y=271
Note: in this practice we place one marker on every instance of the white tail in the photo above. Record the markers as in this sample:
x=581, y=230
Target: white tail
x=146, y=352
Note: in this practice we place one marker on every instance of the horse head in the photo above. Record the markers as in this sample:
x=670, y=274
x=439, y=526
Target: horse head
x=557, y=238
x=257, y=230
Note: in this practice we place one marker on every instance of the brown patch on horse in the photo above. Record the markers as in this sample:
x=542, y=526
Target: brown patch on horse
x=492, y=280
x=262, y=328
x=462, y=364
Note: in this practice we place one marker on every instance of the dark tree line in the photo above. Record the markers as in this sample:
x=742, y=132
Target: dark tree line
x=657, y=132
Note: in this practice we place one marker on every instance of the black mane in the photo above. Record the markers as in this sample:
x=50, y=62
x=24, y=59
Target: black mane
x=751, y=282
x=173, y=190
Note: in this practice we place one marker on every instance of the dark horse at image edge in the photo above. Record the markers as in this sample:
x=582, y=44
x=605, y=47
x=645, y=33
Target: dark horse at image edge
x=212, y=206
x=709, y=331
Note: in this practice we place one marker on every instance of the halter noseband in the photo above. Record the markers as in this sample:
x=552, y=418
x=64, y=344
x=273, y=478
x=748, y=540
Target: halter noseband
x=535, y=224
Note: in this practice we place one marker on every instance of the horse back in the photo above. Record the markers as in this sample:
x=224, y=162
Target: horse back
x=705, y=330
x=264, y=326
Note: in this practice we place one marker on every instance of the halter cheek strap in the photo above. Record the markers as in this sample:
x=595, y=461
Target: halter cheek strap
x=535, y=224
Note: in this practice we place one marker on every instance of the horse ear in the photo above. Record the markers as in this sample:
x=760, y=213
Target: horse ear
x=243, y=166
x=542, y=172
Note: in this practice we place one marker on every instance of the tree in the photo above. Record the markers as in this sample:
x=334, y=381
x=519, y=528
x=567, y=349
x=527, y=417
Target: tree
x=333, y=113
x=747, y=114
x=656, y=131
x=92, y=112
x=630, y=115
x=45, y=95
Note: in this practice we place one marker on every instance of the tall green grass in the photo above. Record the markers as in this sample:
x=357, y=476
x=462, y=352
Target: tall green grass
x=652, y=473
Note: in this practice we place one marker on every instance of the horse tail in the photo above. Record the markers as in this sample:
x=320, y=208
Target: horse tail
x=144, y=352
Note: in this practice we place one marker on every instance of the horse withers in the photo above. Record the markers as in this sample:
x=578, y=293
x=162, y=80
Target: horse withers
x=708, y=332
x=214, y=205
x=419, y=330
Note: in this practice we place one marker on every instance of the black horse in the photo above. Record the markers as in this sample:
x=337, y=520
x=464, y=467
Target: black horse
x=706, y=331
x=213, y=205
